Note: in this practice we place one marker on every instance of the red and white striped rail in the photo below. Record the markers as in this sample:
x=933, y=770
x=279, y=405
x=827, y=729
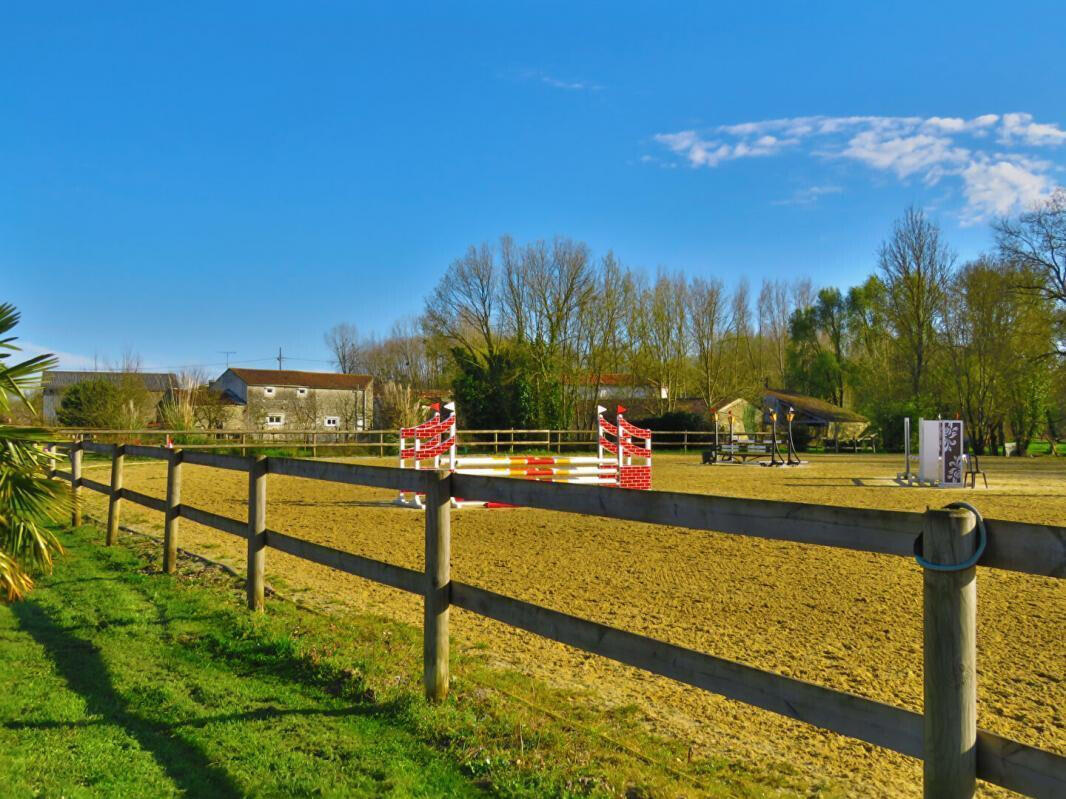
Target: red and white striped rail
x=433, y=445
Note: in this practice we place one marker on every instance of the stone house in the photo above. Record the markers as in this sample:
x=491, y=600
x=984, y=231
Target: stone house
x=55, y=382
x=286, y=399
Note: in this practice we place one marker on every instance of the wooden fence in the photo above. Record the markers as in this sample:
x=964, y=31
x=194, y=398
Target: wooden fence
x=385, y=442
x=954, y=751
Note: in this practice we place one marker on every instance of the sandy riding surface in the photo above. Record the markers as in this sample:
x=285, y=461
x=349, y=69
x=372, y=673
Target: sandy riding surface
x=848, y=620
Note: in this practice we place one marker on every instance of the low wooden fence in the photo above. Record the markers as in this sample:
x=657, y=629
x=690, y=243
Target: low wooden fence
x=385, y=442
x=954, y=751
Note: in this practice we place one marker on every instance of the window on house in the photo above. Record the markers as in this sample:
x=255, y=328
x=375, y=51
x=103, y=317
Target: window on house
x=275, y=419
x=268, y=391
x=333, y=421
x=301, y=392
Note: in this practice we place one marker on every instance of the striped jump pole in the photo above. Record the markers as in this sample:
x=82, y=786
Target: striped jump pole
x=434, y=445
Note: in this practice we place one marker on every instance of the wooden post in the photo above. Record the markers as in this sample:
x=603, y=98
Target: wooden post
x=257, y=500
x=314, y=445
x=75, y=483
x=438, y=587
x=495, y=442
x=170, y=523
x=114, y=505
x=950, y=651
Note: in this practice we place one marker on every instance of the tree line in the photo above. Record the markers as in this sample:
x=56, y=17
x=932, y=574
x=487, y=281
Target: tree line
x=524, y=334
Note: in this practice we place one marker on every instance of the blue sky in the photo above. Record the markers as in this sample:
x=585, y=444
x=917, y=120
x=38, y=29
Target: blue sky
x=185, y=179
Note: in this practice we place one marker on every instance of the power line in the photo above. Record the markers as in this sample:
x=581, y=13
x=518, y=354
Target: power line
x=227, y=363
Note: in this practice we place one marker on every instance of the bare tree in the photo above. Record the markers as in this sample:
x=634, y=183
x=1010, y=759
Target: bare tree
x=398, y=405
x=1036, y=241
x=343, y=342
x=706, y=319
x=915, y=265
x=462, y=308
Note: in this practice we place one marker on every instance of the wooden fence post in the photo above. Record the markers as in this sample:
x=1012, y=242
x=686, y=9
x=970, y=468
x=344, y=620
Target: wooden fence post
x=170, y=528
x=950, y=652
x=257, y=496
x=114, y=505
x=75, y=483
x=438, y=586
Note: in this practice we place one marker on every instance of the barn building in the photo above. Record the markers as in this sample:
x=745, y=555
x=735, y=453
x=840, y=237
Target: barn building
x=824, y=419
x=55, y=382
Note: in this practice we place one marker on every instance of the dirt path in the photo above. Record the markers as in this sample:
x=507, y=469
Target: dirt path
x=847, y=620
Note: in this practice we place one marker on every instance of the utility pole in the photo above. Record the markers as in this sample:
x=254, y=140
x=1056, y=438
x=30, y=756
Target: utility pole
x=279, y=359
x=228, y=353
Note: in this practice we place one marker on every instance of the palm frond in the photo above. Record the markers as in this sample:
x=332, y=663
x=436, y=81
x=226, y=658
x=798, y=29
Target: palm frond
x=29, y=500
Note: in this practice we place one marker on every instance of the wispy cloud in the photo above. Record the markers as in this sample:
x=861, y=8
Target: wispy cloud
x=930, y=149
x=809, y=195
x=558, y=83
x=67, y=360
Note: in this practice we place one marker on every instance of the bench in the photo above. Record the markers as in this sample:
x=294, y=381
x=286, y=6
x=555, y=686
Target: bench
x=740, y=449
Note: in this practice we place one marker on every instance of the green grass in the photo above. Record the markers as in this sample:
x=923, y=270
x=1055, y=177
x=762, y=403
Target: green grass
x=120, y=681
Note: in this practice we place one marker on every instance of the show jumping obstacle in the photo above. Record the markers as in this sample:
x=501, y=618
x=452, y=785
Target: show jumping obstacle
x=941, y=458
x=434, y=445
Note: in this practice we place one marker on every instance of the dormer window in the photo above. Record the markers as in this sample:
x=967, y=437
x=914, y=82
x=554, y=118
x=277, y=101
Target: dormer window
x=301, y=392
x=268, y=391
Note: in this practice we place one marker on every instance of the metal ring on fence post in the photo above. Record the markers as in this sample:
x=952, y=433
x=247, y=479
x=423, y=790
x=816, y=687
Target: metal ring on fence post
x=982, y=542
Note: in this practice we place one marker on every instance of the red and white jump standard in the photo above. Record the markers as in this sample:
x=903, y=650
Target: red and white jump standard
x=434, y=445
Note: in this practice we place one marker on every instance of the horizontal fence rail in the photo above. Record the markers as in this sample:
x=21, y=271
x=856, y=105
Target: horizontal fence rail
x=209, y=519
x=1028, y=548
x=385, y=442
x=143, y=499
x=376, y=570
x=371, y=476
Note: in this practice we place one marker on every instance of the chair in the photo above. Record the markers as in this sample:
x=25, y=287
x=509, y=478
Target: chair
x=973, y=468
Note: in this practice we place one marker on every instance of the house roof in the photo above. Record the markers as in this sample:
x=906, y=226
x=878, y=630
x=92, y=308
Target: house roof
x=723, y=405
x=153, y=381
x=814, y=407
x=291, y=377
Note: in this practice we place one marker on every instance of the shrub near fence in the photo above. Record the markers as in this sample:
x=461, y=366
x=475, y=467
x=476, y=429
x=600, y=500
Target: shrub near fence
x=954, y=752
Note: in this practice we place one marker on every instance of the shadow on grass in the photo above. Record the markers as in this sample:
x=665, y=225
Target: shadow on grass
x=79, y=662
x=259, y=714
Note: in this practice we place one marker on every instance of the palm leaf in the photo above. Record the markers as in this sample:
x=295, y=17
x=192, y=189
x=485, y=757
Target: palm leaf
x=29, y=501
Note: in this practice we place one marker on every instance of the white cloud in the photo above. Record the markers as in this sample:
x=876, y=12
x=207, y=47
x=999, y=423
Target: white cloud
x=1021, y=128
x=932, y=149
x=711, y=152
x=67, y=360
x=809, y=195
x=904, y=155
x=1000, y=186
x=557, y=83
